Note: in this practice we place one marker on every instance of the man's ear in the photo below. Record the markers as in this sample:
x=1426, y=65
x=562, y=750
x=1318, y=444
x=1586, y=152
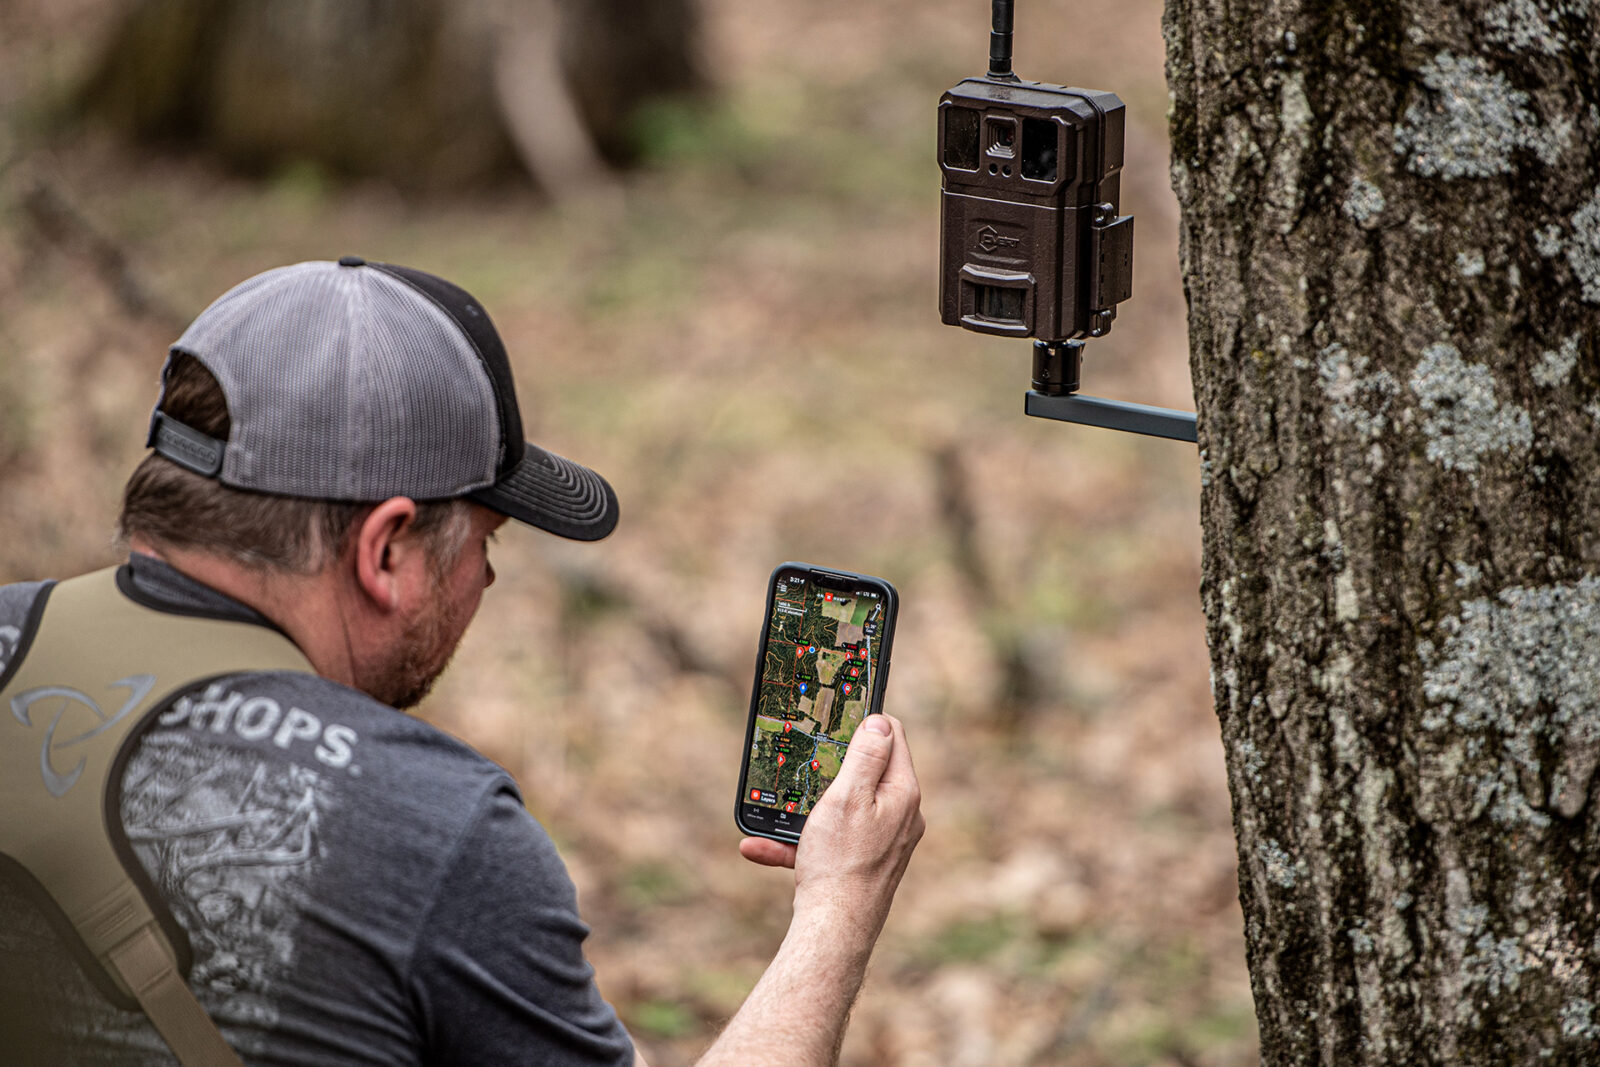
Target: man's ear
x=387, y=559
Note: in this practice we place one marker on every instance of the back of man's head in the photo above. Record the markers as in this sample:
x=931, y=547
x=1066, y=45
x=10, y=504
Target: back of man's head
x=306, y=394
x=170, y=506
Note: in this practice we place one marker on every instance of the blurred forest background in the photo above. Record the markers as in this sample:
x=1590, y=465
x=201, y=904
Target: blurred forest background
x=736, y=322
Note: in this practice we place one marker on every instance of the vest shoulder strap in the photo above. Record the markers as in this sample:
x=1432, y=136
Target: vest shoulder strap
x=98, y=668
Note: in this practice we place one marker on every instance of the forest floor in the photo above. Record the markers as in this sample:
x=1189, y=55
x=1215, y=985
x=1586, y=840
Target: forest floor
x=745, y=340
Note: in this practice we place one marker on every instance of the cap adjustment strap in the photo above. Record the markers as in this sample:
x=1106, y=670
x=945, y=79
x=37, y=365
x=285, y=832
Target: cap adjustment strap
x=186, y=446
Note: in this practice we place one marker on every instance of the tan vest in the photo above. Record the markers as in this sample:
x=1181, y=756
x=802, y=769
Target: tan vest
x=98, y=668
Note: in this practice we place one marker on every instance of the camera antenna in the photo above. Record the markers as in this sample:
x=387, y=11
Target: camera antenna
x=1000, y=41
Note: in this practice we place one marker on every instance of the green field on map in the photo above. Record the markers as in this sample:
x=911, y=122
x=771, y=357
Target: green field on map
x=817, y=674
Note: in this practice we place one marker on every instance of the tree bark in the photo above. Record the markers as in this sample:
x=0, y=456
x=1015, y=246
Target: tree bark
x=1391, y=249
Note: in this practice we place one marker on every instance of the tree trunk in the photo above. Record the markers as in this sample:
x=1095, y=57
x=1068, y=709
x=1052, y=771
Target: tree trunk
x=617, y=54
x=1391, y=248
x=427, y=94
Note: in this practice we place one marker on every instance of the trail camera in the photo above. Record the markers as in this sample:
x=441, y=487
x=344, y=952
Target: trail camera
x=1031, y=241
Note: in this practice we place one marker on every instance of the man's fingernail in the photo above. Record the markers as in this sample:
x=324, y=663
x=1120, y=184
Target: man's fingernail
x=878, y=725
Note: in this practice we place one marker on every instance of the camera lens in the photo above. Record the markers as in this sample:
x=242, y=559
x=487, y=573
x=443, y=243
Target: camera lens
x=1002, y=137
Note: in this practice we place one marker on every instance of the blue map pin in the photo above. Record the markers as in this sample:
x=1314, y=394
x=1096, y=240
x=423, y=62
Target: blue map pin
x=802, y=687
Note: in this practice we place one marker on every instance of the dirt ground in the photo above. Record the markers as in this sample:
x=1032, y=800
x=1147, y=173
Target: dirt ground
x=745, y=340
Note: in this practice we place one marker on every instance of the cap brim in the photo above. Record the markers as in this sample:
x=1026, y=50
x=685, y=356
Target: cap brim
x=554, y=494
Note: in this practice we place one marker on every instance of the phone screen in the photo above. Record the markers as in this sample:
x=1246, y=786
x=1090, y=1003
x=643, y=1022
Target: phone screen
x=822, y=665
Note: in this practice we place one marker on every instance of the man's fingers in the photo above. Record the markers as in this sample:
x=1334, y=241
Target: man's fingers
x=767, y=852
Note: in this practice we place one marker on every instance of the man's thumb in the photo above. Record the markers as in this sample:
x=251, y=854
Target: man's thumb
x=868, y=754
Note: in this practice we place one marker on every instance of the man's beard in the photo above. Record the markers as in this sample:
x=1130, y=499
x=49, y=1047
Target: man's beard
x=420, y=656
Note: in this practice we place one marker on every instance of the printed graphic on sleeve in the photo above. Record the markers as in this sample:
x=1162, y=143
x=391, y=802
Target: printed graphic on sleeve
x=818, y=672
x=230, y=840
x=9, y=636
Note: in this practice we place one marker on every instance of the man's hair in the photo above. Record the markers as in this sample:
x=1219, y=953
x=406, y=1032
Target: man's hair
x=169, y=505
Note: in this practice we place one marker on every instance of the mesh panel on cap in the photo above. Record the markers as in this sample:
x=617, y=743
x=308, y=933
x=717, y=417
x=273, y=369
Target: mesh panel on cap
x=480, y=333
x=345, y=383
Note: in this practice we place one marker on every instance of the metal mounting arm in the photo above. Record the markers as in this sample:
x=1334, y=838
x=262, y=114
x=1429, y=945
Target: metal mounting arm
x=1056, y=370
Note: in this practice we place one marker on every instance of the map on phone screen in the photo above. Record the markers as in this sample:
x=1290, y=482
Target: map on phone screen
x=817, y=677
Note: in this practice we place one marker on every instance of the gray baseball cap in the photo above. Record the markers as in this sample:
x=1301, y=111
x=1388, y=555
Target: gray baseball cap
x=360, y=381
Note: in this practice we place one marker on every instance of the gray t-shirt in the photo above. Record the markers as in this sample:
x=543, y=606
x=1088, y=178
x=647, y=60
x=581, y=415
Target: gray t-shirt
x=358, y=888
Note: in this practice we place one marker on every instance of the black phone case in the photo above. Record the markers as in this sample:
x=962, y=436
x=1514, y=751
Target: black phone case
x=874, y=705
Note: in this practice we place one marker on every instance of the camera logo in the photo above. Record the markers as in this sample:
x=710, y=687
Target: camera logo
x=991, y=240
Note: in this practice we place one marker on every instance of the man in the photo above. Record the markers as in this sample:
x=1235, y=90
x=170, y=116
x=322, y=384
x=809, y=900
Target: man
x=335, y=445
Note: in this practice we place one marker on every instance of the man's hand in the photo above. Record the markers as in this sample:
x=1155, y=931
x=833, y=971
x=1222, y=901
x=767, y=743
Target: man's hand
x=856, y=844
x=859, y=837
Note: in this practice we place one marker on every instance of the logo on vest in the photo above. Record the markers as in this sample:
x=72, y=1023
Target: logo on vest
x=70, y=701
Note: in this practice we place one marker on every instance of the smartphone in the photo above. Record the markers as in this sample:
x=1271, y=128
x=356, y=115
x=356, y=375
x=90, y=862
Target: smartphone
x=821, y=667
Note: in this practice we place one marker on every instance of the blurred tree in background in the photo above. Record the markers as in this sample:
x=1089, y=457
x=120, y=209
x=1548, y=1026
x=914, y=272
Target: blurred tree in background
x=426, y=94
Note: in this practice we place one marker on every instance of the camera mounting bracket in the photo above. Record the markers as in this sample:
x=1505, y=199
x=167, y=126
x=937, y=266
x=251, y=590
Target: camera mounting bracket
x=1057, y=367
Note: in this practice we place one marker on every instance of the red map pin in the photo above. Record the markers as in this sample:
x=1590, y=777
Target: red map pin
x=816, y=764
x=780, y=759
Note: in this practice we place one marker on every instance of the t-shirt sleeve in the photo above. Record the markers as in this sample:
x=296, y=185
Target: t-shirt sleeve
x=499, y=974
x=16, y=603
